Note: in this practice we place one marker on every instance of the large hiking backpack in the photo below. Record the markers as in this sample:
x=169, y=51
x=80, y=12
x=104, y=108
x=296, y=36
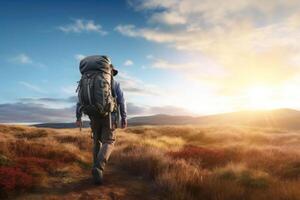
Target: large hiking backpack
x=95, y=92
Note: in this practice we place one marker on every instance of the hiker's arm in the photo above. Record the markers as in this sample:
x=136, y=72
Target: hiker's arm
x=78, y=112
x=122, y=104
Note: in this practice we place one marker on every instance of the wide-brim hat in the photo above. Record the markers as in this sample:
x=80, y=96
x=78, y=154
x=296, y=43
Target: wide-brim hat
x=114, y=70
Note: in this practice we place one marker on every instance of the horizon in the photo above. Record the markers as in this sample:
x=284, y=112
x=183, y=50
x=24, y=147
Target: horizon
x=159, y=114
x=187, y=58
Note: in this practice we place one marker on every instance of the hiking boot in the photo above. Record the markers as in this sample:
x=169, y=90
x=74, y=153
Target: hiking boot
x=97, y=175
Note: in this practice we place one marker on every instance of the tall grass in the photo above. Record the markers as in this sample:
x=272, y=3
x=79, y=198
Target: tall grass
x=31, y=158
x=184, y=162
x=214, y=163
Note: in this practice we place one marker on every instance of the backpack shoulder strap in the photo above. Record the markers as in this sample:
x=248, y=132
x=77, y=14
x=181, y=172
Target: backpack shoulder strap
x=113, y=92
x=93, y=83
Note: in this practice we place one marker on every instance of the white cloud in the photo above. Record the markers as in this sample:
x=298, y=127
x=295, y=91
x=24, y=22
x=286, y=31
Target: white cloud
x=34, y=113
x=69, y=89
x=54, y=110
x=134, y=86
x=164, y=64
x=149, y=56
x=128, y=62
x=295, y=60
x=140, y=110
x=249, y=39
x=152, y=4
x=149, y=34
x=128, y=30
x=170, y=18
x=79, y=57
x=218, y=12
x=201, y=65
x=81, y=25
x=32, y=87
x=22, y=59
x=52, y=103
x=210, y=22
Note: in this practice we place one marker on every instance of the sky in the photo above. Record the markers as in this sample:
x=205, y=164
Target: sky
x=178, y=57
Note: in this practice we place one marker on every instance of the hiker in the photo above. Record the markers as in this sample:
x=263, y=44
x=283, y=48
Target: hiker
x=101, y=98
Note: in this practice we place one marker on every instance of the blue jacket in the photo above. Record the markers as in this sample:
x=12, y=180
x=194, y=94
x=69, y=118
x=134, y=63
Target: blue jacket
x=120, y=101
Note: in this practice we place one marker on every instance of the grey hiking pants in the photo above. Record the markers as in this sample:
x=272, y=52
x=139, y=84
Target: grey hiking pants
x=104, y=139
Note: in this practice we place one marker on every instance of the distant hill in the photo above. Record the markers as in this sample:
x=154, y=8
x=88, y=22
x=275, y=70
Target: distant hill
x=61, y=125
x=161, y=120
x=278, y=118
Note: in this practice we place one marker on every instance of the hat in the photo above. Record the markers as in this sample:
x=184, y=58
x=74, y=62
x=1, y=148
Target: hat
x=115, y=71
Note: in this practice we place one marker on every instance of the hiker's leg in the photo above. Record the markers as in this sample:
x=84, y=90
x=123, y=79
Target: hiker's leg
x=96, y=129
x=96, y=151
x=108, y=140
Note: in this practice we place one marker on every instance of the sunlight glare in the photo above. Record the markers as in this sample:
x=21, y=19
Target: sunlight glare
x=260, y=97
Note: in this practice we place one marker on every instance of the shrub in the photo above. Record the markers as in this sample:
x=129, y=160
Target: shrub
x=23, y=148
x=291, y=170
x=139, y=160
x=243, y=176
x=4, y=161
x=182, y=180
x=135, y=130
x=13, y=178
x=82, y=142
x=36, y=166
x=249, y=179
x=207, y=157
x=32, y=134
x=3, y=147
x=11, y=129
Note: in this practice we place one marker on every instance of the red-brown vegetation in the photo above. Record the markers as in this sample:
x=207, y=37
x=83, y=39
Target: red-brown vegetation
x=30, y=158
x=214, y=163
x=13, y=178
x=206, y=157
x=184, y=162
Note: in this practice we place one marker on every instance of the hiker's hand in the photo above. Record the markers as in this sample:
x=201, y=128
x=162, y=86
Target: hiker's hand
x=123, y=123
x=78, y=123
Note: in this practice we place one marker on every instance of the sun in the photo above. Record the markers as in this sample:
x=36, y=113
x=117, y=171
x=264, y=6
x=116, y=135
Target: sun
x=260, y=97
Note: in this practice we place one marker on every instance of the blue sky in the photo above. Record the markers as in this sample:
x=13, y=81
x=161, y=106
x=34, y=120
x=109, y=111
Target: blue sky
x=40, y=60
x=174, y=57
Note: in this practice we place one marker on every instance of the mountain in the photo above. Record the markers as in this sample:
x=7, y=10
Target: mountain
x=278, y=118
x=85, y=124
x=161, y=120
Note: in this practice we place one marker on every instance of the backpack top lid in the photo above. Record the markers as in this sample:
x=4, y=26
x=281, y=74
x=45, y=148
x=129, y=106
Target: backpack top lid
x=95, y=63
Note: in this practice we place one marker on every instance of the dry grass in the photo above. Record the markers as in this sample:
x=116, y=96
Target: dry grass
x=31, y=158
x=185, y=162
x=214, y=163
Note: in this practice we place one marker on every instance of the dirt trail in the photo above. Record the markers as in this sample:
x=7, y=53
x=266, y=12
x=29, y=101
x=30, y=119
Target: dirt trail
x=118, y=185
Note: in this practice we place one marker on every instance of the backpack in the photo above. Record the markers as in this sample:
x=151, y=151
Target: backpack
x=95, y=92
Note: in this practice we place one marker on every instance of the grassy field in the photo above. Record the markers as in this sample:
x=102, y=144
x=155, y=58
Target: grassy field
x=184, y=162
x=32, y=159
